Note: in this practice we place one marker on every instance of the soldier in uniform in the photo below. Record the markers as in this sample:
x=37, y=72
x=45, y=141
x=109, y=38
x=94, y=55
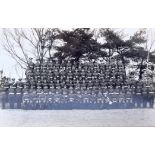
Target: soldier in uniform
x=37, y=65
x=44, y=70
x=116, y=94
x=30, y=64
x=57, y=64
x=50, y=64
x=56, y=99
x=112, y=97
x=82, y=74
x=76, y=73
x=122, y=98
x=51, y=97
x=144, y=96
x=85, y=100
x=138, y=101
x=19, y=93
x=33, y=103
x=46, y=92
x=71, y=98
x=64, y=98
x=68, y=65
x=133, y=89
x=41, y=97
x=93, y=99
x=12, y=94
x=151, y=95
x=102, y=66
x=100, y=99
x=25, y=99
x=29, y=73
x=78, y=101
x=129, y=102
x=5, y=89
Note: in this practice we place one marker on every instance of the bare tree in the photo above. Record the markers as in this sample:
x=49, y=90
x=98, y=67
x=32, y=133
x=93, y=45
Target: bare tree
x=24, y=43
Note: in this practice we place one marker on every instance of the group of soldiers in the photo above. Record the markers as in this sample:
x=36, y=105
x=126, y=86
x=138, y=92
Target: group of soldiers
x=72, y=74
x=51, y=84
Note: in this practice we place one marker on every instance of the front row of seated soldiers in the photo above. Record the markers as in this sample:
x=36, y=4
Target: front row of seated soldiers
x=19, y=95
x=89, y=98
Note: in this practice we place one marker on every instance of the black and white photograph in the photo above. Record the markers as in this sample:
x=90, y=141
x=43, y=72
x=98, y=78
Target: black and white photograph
x=77, y=77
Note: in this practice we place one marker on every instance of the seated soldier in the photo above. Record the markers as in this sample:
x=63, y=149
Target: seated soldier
x=104, y=90
x=57, y=83
x=34, y=101
x=41, y=98
x=70, y=99
x=100, y=100
x=56, y=100
x=121, y=100
x=50, y=97
x=111, y=93
x=64, y=98
x=78, y=99
x=117, y=90
x=129, y=97
x=85, y=100
x=118, y=86
x=93, y=99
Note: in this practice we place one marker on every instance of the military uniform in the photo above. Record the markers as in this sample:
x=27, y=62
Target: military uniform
x=151, y=95
x=5, y=89
x=41, y=98
x=12, y=95
x=144, y=96
x=19, y=93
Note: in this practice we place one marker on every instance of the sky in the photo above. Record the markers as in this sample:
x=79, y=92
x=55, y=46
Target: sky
x=11, y=69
